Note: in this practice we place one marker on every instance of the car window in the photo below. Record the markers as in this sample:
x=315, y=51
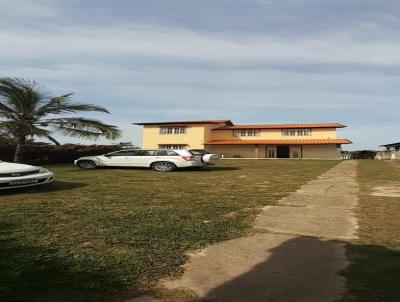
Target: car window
x=166, y=153
x=145, y=153
x=123, y=153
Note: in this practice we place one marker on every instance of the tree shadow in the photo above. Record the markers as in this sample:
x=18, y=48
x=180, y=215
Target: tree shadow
x=299, y=269
x=33, y=273
x=55, y=186
x=187, y=169
x=374, y=274
x=209, y=169
x=312, y=270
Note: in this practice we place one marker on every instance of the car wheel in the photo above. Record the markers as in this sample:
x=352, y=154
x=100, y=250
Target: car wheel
x=163, y=166
x=86, y=164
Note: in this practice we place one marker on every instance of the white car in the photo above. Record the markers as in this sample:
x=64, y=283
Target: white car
x=14, y=175
x=160, y=160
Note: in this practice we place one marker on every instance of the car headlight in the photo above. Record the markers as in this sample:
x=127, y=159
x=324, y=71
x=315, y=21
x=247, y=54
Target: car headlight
x=44, y=170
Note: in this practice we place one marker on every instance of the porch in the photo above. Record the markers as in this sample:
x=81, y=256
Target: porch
x=277, y=151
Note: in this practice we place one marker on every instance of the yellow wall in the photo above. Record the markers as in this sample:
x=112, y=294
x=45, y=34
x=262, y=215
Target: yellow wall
x=321, y=152
x=195, y=137
x=274, y=134
x=244, y=151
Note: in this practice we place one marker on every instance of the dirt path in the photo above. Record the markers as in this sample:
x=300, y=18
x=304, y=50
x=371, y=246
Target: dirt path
x=295, y=255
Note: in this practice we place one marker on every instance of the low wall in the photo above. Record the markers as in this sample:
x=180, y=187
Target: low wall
x=392, y=155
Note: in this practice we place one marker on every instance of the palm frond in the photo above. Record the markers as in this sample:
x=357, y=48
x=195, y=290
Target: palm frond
x=24, y=106
x=6, y=111
x=84, y=128
x=20, y=94
x=52, y=139
x=61, y=104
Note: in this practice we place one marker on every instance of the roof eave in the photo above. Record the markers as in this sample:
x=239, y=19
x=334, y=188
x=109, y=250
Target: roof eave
x=227, y=122
x=282, y=142
x=281, y=126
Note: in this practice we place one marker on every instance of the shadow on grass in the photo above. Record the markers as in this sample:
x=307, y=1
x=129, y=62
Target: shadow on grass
x=305, y=269
x=188, y=169
x=374, y=274
x=55, y=186
x=299, y=269
x=30, y=274
x=209, y=169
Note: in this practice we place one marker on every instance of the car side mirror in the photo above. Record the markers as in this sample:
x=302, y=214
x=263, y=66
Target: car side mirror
x=107, y=155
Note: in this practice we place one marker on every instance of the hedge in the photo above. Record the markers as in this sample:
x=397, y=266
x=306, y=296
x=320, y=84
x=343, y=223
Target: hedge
x=42, y=153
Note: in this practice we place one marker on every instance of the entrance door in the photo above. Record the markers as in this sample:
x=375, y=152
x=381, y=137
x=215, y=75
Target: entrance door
x=282, y=152
x=270, y=152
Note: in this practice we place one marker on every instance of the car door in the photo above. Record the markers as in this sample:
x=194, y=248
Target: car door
x=142, y=158
x=118, y=159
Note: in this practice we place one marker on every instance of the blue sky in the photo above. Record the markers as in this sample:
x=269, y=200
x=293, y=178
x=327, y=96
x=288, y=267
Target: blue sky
x=252, y=61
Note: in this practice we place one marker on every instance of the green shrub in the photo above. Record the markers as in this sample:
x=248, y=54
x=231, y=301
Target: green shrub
x=42, y=153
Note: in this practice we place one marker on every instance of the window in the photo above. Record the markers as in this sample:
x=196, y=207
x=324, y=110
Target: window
x=172, y=146
x=166, y=153
x=145, y=153
x=304, y=132
x=131, y=153
x=173, y=130
x=246, y=132
x=271, y=153
x=124, y=153
x=296, y=132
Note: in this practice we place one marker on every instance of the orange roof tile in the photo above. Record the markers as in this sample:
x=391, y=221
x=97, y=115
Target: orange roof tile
x=281, y=142
x=281, y=126
x=227, y=122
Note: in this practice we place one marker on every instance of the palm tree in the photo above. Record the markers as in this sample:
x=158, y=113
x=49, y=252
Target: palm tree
x=26, y=110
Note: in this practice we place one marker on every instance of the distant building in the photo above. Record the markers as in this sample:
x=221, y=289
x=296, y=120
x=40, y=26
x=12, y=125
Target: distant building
x=247, y=141
x=392, y=152
x=346, y=155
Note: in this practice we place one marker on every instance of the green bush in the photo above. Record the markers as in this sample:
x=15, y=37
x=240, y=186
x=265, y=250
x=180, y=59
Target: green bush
x=42, y=153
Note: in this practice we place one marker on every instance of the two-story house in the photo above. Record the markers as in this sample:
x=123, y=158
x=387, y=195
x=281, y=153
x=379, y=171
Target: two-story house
x=247, y=141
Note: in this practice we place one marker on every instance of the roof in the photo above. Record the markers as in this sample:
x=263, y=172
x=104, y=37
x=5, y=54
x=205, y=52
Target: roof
x=281, y=126
x=391, y=145
x=281, y=142
x=227, y=122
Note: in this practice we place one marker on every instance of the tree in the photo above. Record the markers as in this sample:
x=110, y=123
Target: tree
x=26, y=110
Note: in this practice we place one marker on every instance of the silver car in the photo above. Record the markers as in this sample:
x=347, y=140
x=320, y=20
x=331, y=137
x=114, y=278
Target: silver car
x=14, y=175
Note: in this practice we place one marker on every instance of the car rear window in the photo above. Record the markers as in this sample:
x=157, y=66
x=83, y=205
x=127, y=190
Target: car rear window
x=199, y=152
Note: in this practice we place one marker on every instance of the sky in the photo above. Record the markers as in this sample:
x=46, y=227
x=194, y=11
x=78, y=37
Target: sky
x=251, y=61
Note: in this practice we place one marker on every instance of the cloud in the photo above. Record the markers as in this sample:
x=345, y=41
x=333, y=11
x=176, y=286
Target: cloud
x=131, y=40
x=26, y=8
x=252, y=61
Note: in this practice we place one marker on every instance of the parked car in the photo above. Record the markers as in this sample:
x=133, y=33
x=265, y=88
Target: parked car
x=14, y=175
x=160, y=160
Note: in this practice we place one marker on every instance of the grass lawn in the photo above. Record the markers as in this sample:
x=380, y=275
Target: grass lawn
x=93, y=234
x=375, y=272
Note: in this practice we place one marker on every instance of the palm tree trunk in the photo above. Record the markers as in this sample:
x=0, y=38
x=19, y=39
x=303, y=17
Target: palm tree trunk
x=19, y=150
